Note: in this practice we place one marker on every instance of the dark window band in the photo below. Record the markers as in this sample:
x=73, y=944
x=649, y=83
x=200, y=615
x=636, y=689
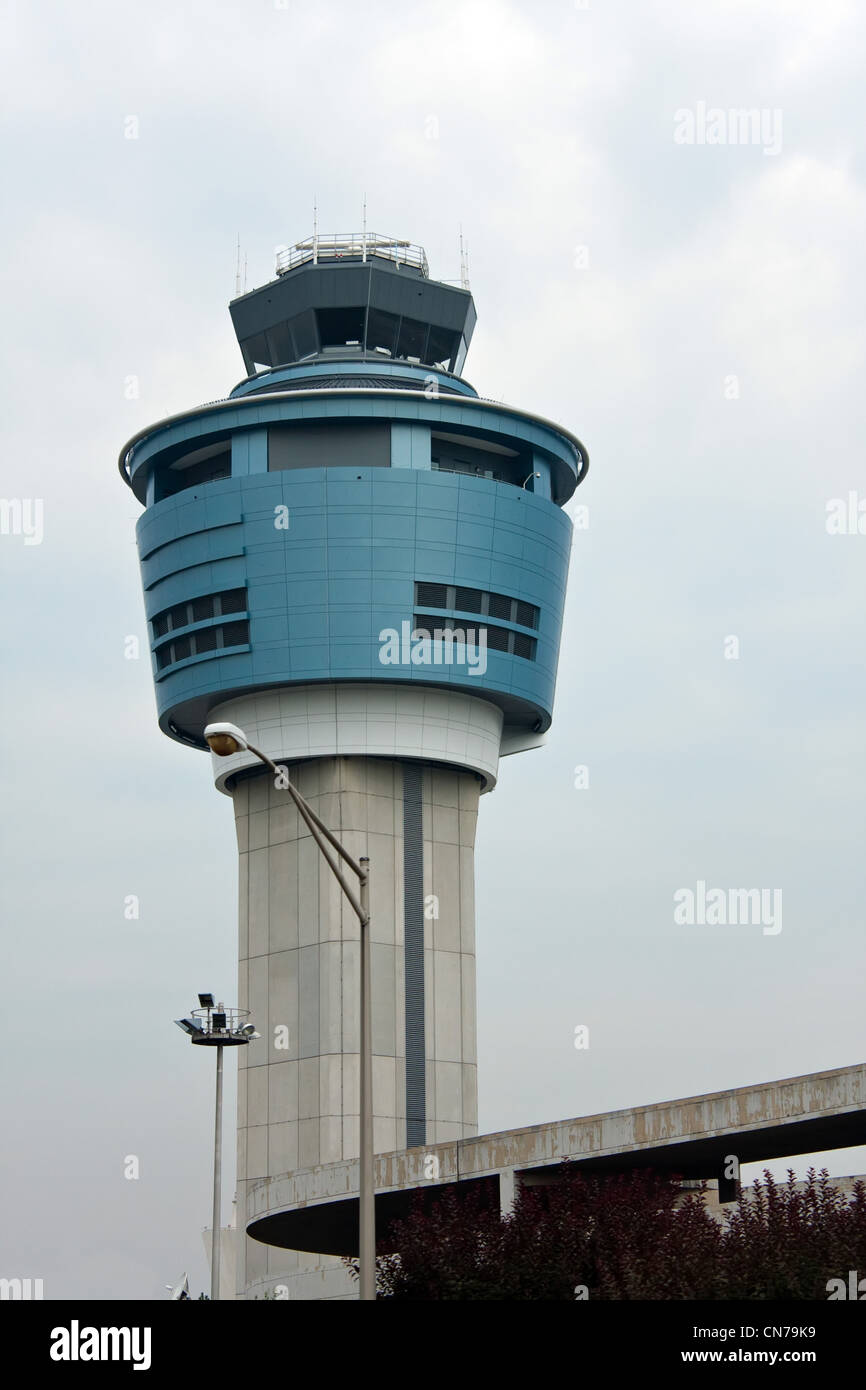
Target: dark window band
x=497, y=639
x=462, y=599
x=200, y=641
x=413, y=956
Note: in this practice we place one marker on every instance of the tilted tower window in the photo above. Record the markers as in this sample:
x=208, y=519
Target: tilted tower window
x=337, y=327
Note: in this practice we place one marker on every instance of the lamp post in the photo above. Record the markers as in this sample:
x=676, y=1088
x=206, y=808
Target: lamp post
x=213, y=1025
x=225, y=740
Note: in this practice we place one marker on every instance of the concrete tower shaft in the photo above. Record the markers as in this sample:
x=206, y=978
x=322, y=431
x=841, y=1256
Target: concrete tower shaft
x=298, y=953
x=299, y=962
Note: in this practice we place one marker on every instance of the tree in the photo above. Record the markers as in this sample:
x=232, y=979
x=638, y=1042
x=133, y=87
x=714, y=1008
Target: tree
x=781, y=1242
x=633, y=1235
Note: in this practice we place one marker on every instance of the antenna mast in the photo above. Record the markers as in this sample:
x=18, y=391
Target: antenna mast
x=464, y=260
x=315, y=231
x=238, y=269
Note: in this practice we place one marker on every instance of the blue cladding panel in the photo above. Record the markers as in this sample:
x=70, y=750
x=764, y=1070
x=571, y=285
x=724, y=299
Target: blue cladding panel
x=321, y=591
x=410, y=446
x=249, y=452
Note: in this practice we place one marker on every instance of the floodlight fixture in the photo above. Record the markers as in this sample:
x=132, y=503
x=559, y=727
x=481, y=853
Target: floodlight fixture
x=225, y=739
x=179, y=1291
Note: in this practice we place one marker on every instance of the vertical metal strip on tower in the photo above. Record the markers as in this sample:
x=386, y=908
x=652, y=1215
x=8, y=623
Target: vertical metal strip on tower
x=413, y=954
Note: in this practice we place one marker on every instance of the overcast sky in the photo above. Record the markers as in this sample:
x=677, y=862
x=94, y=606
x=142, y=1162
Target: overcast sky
x=693, y=311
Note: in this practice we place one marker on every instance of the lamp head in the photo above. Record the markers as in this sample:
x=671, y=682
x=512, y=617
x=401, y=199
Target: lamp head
x=225, y=739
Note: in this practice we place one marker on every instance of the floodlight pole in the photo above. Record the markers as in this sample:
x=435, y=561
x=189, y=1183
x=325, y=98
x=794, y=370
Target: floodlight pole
x=230, y=1033
x=360, y=904
x=217, y=1179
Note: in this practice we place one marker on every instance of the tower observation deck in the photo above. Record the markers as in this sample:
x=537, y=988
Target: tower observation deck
x=363, y=564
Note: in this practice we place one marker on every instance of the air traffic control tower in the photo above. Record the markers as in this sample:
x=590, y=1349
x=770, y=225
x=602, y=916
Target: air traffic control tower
x=363, y=564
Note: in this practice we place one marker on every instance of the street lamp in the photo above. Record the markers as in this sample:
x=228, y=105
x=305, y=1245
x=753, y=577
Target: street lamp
x=224, y=740
x=213, y=1025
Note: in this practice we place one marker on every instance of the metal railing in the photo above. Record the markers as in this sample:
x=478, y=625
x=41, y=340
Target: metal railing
x=353, y=246
x=235, y=1019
